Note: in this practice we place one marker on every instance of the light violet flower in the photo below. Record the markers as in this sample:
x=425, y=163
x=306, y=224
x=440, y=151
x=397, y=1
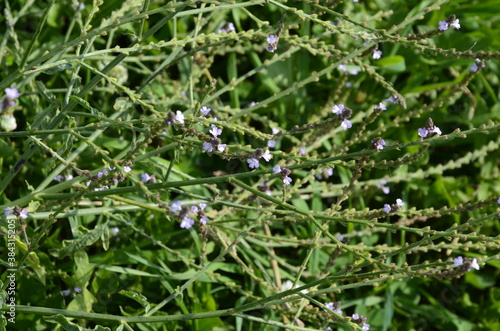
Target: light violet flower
x=443, y=26
x=455, y=24
x=287, y=180
x=477, y=65
x=253, y=163
x=378, y=143
x=498, y=201
x=302, y=150
x=384, y=188
x=338, y=109
x=12, y=93
x=221, y=147
x=175, y=206
x=205, y=110
x=179, y=117
x=333, y=306
x=458, y=261
x=208, y=147
x=204, y=220
x=267, y=156
x=400, y=202
x=187, y=223
x=346, y=124
x=387, y=208
x=215, y=131
x=59, y=178
x=277, y=170
x=145, y=177
x=127, y=168
x=8, y=211
x=273, y=43
x=380, y=106
x=23, y=213
x=376, y=55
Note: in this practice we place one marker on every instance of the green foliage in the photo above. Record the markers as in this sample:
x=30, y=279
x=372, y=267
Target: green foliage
x=109, y=134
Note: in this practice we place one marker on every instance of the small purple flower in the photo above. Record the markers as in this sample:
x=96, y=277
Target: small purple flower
x=302, y=151
x=8, y=211
x=208, y=147
x=194, y=209
x=102, y=173
x=221, y=147
x=380, y=106
x=77, y=289
x=115, y=230
x=387, y=208
x=477, y=65
x=66, y=292
x=400, y=202
x=346, y=124
x=422, y=132
x=458, y=261
x=127, y=169
x=277, y=170
x=187, y=223
x=12, y=93
x=24, y=213
x=215, y=131
x=273, y=43
x=287, y=180
x=271, y=143
x=204, y=220
x=59, y=178
x=498, y=201
x=175, y=206
x=333, y=306
x=443, y=25
x=376, y=55
x=384, y=188
x=267, y=156
x=145, y=177
x=378, y=143
x=253, y=163
x=455, y=24
x=338, y=109
x=205, y=110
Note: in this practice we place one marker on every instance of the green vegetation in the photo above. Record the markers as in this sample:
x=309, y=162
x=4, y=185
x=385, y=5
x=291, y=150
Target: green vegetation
x=249, y=165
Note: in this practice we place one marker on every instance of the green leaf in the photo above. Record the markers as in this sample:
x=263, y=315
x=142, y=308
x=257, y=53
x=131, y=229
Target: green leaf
x=392, y=63
x=138, y=298
x=71, y=246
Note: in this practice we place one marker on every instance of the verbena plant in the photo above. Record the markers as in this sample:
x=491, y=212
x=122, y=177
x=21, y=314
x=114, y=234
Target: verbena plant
x=237, y=165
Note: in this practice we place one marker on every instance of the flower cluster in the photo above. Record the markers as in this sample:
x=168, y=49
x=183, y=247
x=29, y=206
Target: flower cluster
x=393, y=208
x=429, y=129
x=465, y=264
x=344, y=113
x=378, y=143
x=215, y=142
x=478, y=64
x=272, y=143
x=361, y=320
x=334, y=306
x=285, y=172
x=17, y=211
x=259, y=153
x=343, y=68
x=450, y=21
x=272, y=41
x=177, y=117
x=229, y=27
x=187, y=215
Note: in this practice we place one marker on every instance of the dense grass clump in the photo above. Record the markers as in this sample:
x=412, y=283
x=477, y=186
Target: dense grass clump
x=249, y=165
